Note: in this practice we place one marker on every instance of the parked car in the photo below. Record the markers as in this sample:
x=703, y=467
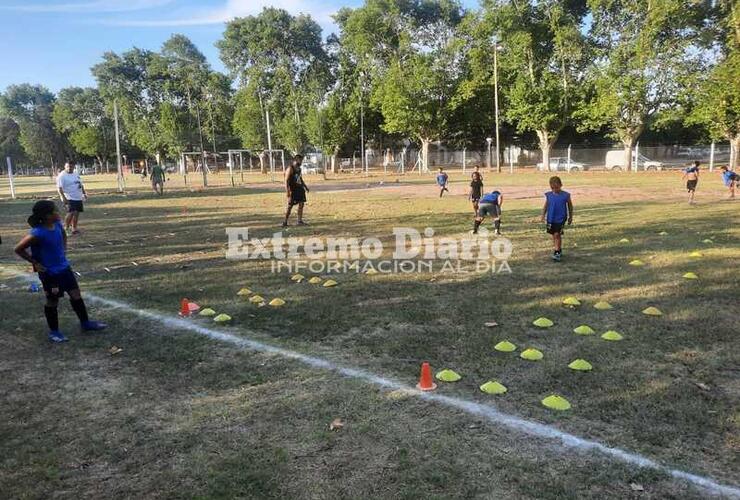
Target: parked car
x=559, y=164
x=615, y=161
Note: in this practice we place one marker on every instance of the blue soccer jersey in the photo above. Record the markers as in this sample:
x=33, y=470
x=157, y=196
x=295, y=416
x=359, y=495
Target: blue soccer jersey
x=557, y=206
x=491, y=198
x=48, y=249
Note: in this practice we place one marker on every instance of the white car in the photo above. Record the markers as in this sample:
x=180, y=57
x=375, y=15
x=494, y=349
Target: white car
x=615, y=161
x=559, y=164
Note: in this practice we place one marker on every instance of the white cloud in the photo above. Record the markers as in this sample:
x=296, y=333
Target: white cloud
x=89, y=6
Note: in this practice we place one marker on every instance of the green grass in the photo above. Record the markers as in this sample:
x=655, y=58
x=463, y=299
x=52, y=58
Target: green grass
x=178, y=415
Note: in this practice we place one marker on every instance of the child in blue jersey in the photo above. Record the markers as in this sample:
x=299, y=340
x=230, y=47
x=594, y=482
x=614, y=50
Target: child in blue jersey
x=490, y=204
x=557, y=211
x=691, y=175
x=48, y=243
x=442, y=181
x=730, y=179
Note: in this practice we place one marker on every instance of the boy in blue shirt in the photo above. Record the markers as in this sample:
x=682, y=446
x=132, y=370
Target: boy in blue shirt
x=557, y=211
x=48, y=243
x=730, y=179
x=442, y=181
x=691, y=175
x=490, y=204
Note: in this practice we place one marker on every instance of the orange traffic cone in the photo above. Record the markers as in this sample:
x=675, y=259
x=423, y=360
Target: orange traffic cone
x=184, y=307
x=425, y=381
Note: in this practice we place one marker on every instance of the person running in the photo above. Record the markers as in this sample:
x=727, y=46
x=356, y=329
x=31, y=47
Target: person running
x=557, y=210
x=295, y=189
x=48, y=243
x=442, y=179
x=72, y=193
x=691, y=175
x=476, y=191
x=730, y=180
x=490, y=204
x=158, y=179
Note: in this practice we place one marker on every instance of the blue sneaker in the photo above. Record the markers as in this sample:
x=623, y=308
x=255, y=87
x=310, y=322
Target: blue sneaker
x=93, y=326
x=57, y=337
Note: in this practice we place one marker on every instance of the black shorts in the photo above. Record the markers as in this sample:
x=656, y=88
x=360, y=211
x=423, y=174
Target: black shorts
x=492, y=209
x=297, y=195
x=75, y=206
x=691, y=185
x=64, y=281
x=555, y=227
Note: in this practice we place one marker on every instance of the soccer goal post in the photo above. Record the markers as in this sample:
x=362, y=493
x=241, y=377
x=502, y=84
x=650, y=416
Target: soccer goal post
x=233, y=153
x=273, y=155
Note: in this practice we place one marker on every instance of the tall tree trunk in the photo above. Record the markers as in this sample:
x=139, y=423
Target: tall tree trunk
x=424, y=167
x=547, y=139
x=263, y=164
x=334, y=157
x=735, y=152
x=629, y=145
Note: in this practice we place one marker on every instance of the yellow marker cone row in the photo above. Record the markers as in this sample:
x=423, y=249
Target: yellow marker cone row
x=277, y=302
x=297, y=278
x=612, y=335
x=637, y=263
x=690, y=276
x=244, y=292
x=493, y=387
x=652, y=311
x=571, y=301
x=222, y=318
x=448, y=376
x=330, y=283
x=581, y=365
x=603, y=306
x=315, y=280
x=543, y=322
x=256, y=299
x=556, y=403
x=207, y=312
x=531, y=354
x=505, y=346
x=584, y=330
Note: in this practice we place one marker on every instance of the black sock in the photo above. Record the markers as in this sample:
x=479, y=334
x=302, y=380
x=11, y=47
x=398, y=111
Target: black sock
x=497, y=225
x=52, y=318
x=80, y=309
x=476, y=225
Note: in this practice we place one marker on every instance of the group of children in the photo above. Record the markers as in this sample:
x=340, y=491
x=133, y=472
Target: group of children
x=729, y=178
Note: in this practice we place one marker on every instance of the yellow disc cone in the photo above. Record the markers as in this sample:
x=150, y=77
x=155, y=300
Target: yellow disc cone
x=207, y=312
x=244, y=292
x=696, y=255
x=531, y=354
x=297, y=278
x=277, y=302
x=448, y=376
x=315, y=280
x=493, y=387
x=662, y=233
x=222, y=318
x=652, y=311
x=624, y=240
x=330, y=283
x=256, y=299
x=690, y=276
x=571, y=301
x=637, y=263
x=707, y=241
x=584, y=330
x=543, y=322
x=505, y=346
x=581, y=365
x=612, y=335
x=371, y=271
x=556, y=403
x=603, y=306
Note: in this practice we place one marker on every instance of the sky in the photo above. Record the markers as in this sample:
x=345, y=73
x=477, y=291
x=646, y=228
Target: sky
x=55, y=42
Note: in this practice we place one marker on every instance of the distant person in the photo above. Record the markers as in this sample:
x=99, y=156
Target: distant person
x=158, y=179
x=730, y=179
x=442, y=179
x=476, y=191
x=295, y=189
x=691, y=174
x=48, y=243
x=72, y=193
x=557, y=211
x=490, y=204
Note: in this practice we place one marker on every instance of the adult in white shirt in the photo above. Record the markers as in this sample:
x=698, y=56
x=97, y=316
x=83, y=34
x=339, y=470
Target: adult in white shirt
x=72, y=193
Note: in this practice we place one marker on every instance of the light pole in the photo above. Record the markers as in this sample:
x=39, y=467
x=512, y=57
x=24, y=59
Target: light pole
x=496, y=48
x=489, y=141
x=362, y=124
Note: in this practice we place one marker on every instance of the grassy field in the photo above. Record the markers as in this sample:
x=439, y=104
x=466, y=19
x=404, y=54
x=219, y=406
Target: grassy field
x=178, y=415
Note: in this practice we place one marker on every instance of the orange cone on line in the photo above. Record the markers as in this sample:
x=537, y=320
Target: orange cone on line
x=425, y=381
x=184, y=307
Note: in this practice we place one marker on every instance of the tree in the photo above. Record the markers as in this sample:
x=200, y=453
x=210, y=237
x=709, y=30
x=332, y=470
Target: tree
x=81, y=114
x=10, y=139
x=31, y=106
x=641, y=57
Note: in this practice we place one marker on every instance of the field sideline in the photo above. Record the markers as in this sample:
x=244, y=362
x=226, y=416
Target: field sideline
x=177, y=415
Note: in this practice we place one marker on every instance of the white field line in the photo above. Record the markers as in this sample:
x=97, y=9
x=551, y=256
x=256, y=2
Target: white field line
x=481, y=410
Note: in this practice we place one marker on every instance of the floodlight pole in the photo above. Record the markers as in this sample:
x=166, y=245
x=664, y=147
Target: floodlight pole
x=10, y=177
x=118, y=146
x=269, y=144
x=496, y=48
x=362, y=128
